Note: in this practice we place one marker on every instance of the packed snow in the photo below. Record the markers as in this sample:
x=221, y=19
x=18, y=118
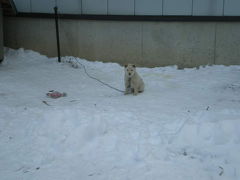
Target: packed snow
x=185, y=126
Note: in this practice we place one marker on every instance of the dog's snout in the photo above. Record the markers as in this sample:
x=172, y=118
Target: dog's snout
x=129, y=74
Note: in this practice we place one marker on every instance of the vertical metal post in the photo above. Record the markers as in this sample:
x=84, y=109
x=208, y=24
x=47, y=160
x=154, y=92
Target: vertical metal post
x=57, y=33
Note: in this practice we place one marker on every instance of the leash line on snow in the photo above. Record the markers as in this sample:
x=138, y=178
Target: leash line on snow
x=94, y=78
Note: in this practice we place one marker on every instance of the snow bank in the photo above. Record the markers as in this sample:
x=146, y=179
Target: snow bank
x=186, y=125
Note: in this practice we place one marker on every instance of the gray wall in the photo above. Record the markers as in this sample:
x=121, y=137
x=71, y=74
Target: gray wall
x=186, y=44
x=1, y=34
x=133, y=7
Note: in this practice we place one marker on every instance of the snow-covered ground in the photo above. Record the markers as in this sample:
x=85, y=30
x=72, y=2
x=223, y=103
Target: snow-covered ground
x=185, y=126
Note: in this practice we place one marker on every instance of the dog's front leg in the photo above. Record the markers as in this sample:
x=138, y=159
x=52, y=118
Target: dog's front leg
x=127, y=86
x=135, y=91
x=127, y=91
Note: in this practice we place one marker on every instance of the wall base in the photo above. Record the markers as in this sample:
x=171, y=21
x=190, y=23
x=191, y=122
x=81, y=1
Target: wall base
x=150, y=44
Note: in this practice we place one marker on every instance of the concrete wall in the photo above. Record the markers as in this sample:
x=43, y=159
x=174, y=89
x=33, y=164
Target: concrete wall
x=186, y=44
x=1, y=35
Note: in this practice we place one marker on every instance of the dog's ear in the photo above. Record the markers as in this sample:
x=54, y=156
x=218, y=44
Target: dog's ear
x=134, y=65
x=125, y=65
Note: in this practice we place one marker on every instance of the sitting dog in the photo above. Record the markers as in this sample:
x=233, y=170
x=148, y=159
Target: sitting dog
x=133, y=82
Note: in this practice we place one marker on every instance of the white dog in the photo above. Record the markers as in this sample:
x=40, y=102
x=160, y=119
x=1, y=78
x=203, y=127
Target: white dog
x=133, y=82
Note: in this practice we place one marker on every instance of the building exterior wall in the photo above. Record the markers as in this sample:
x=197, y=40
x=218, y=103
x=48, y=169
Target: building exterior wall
x=133, y=7
x=186, y=44
x=1, y=35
